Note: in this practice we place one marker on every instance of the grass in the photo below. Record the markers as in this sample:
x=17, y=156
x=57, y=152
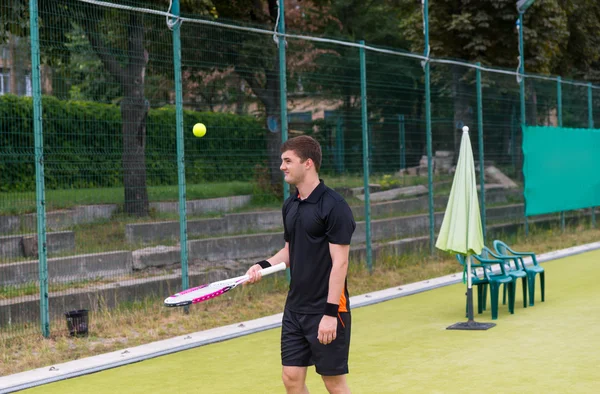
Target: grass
x=15, y=203
x=24, y=202
x=401, y=346
x=143, y=322
x=32, y=288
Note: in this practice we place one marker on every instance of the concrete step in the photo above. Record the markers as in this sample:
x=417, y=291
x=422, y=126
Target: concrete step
x=216, y=249
x=58, y=220
x=153, y=232
x=25, y=245
x=65, y=269
x=61, y=219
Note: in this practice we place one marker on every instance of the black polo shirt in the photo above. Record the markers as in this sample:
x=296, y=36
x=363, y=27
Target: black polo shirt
x=310, y=225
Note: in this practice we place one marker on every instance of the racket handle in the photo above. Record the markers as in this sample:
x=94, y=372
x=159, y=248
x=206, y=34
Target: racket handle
x=273, y=269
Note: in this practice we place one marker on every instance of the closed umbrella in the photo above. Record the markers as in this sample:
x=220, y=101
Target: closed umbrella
x=461, y=230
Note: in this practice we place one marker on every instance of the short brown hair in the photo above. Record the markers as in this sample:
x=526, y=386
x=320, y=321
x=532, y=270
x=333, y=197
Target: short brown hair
x=306, y=148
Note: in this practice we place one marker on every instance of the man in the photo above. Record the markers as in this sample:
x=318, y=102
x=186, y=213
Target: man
x=318, y=227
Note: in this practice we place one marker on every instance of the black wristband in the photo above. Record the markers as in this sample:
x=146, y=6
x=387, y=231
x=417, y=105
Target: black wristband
x=331, y=309
x=264, y=264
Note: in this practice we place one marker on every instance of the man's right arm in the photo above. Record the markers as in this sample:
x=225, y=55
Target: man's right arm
x=283, y=256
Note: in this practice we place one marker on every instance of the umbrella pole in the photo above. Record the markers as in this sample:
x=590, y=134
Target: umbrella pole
x=470, y=316
x=470, y=324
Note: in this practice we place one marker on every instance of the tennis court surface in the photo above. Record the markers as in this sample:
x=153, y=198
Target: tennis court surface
x=402, y=346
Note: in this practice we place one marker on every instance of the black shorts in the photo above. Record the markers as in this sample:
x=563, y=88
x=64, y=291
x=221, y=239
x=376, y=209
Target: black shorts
x=301, y=348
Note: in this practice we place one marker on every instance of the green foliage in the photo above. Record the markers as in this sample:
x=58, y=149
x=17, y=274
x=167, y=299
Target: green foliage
x=84, y=76
x=560, y=35
x=389, y=182
x=83, y=145
x=229, y=150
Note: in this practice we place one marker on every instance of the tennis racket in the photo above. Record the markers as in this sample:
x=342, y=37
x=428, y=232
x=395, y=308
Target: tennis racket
x=215, y=289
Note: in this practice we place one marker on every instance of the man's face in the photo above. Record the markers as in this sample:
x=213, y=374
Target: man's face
x=294, y=170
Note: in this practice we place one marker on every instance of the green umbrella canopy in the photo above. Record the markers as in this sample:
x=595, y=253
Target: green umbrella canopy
x=461, y=230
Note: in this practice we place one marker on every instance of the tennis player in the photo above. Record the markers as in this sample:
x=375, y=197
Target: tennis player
x=318, y=227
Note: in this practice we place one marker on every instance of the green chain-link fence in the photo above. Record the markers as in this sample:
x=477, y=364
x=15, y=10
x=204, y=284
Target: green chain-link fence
x=90, y=190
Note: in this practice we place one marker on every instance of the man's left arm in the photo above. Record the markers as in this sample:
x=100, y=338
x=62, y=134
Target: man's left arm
x=337, y=280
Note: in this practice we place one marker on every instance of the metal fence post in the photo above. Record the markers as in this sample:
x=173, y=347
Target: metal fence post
x=591, y=126
x=428, y=129
x=365, y=145
x=560, y=124
x=180, y=147
x=481, y=157
x=522, y=93
x=283, y=84
x=40, y=192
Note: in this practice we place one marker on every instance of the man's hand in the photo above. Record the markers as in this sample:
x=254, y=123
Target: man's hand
x=327, y=329
x=254, y=274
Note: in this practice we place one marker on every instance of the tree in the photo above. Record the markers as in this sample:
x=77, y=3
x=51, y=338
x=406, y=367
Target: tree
x=393, y=83
x=580, y=54
x=83, y=77
x=485, y=31
x=373, y=21
x=125, y=61
x=256, y=61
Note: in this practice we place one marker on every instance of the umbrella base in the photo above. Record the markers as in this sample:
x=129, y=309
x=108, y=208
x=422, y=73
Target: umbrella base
x=471, y=325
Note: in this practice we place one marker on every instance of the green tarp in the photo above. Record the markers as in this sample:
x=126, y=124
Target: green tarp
x=561, y=169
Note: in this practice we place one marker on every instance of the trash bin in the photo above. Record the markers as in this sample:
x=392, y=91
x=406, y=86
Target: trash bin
x=77, y=322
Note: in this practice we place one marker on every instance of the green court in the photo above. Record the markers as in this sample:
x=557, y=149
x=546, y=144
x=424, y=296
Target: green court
x=402, y=346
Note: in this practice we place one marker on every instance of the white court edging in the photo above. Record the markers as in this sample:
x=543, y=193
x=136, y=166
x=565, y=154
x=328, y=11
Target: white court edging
x=71, y=369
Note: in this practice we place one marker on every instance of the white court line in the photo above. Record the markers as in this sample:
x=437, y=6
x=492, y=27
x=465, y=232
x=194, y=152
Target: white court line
x=40, y=376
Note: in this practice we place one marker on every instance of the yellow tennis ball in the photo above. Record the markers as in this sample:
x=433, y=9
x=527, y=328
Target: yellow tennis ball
x=199, y=130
